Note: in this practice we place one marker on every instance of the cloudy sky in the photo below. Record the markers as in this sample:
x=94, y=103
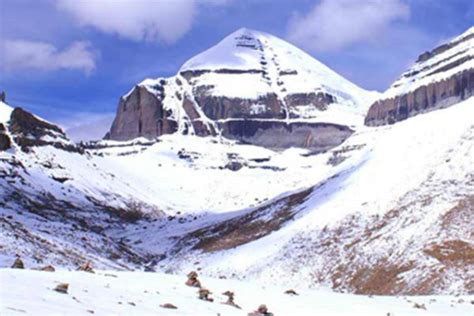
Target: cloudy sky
x=70, y=60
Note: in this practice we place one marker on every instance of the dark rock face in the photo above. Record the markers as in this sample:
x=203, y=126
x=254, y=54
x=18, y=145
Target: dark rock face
x=320, y=101
x=3, y=96
x=426, y=98
x=278, y=134
x=29, y=131
x=141, y=114
x=219, y=108
x=23, y=122
x=440, y=78
x=5, y=142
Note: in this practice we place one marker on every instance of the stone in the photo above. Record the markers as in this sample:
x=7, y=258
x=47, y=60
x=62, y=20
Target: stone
x=5, y=142
x=262, y=310
x=230, y=299
x=48, y=268
x=168, y=306
x=18, y=264
x=62, y=288
x=291, y=292
x=193, y=279
x=204, y=294
x=86, y=267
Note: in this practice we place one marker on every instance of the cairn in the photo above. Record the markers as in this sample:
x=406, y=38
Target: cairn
x=193, y=279
x=18, y=264
x=62, y=288
x=261, y=311
x=87, y=267
x=204, y=295
x=230, y=299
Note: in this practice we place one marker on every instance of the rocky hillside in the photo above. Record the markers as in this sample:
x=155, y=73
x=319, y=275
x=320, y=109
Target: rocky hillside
x=387, y=212
x=251, y=87
x=439, y=78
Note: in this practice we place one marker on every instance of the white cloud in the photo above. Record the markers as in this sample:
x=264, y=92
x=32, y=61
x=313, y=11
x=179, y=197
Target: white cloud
x=21, y=54
x=335, y=24
x=150, y=20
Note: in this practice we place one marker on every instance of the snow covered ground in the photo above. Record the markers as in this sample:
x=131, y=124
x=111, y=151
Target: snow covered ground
x=380, y=200
x=28, y=292
x=5, y=111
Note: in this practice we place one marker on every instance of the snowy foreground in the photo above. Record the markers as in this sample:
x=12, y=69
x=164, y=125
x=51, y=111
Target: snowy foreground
x=142, y=293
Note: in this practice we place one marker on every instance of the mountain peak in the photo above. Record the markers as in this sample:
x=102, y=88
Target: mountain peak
x=249, y=86
x=250, y=50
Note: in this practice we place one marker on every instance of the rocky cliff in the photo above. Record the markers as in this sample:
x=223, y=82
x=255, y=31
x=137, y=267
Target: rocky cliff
x=439, y=78
x=252, y=87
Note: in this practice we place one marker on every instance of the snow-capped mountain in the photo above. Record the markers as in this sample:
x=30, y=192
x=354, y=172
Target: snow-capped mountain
x=388, y=211
x=253, y=87
x=438, y=79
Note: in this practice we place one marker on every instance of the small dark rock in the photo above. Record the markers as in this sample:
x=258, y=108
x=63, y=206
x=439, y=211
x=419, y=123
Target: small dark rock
x=168, y=305
x=62, y=288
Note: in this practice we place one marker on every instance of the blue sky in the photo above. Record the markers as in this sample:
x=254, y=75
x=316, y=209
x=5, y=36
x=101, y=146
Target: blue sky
x=70, y=60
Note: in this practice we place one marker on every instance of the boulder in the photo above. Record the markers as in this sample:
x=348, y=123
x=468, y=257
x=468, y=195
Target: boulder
x=168, y=306
x=62, y=288
x=204, y=294
x=5, y=142
x=48, y=268
x=86, y=267
x=193, y=279
x=18, y=264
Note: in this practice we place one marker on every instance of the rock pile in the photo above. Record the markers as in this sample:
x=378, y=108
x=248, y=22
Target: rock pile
x=193, y=279
x=204, y=294
x=18, y=264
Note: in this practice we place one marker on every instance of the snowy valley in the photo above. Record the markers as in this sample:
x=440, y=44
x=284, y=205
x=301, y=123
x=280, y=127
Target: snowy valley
x=312, y=199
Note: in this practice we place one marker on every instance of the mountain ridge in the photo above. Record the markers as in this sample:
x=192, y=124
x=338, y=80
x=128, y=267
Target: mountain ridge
x=250, y=87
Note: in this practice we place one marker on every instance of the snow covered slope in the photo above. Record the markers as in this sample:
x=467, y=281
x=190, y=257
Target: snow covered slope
x=5, y=111
x=251, y=87
x=439, y=78
x=389, y=211
x=394, y=215
x=287, y=70
x=138, y=293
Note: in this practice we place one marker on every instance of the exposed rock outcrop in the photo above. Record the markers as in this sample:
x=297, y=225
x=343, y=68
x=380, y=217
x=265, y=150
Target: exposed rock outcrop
x=29, y=131
x=440, y=78
x=141, y=113
x=278, y=134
